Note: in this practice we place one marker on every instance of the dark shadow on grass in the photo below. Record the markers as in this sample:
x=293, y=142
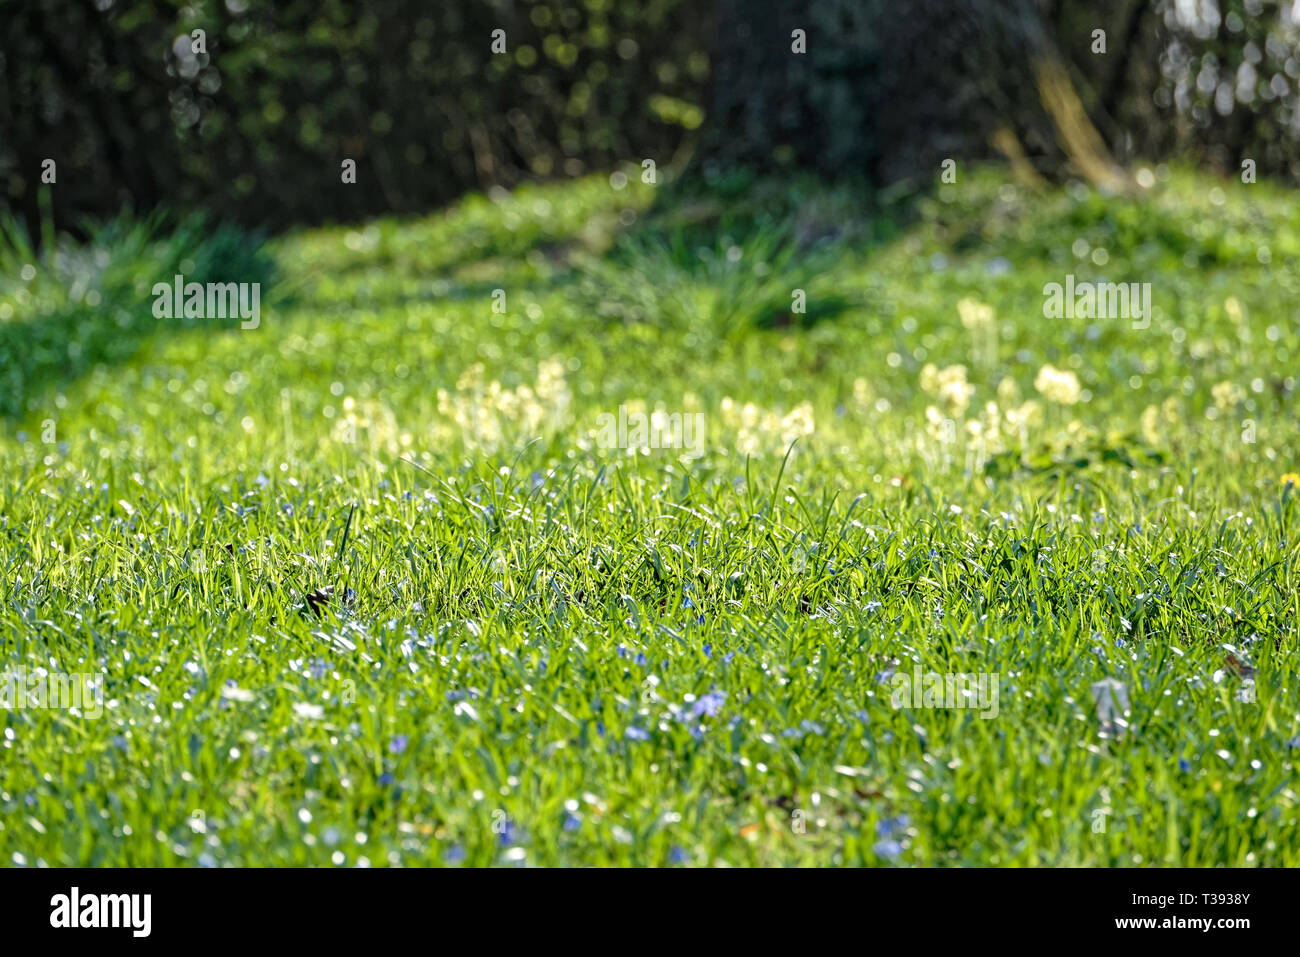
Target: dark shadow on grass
x=70, y=307
x=770, y=249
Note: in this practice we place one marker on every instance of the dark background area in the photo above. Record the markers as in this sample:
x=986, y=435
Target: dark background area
x=255, y=129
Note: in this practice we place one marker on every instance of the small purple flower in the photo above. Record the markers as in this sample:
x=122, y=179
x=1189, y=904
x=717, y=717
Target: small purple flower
x=386, y=779
x=317, y=669
x=888, y=826
x=709, y=704
x=571, y=822
x=677, y=856
x=888, y=849
x=805, y=728
x=455, y=854
x=399, y=743
x=1184, y=765
x=636, y=734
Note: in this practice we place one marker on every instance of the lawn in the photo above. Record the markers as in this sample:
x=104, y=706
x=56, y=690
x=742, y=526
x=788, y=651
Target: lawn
x=366, y=585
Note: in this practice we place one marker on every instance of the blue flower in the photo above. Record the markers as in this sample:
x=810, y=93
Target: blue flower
x=677, y=856
x=636, y=734
x=399, y=743
x=1184, y=765
x=709, y=704
x=888, y=849
x=571, y=822
x=455, y=854
x=888, y=826
x=805, y=728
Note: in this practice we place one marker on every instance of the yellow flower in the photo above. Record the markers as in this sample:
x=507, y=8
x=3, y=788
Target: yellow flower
x=1150, y=421
x=1227, y=394
x=974, y=314
x=950, y=385
x=1291, y=478
x=1057, y=385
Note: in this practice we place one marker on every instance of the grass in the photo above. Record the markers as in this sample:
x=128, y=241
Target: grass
x=365, y=589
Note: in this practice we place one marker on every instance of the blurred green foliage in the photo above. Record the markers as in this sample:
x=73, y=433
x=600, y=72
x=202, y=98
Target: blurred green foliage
x=254, y=123
x=66, y=307
x=256, y=128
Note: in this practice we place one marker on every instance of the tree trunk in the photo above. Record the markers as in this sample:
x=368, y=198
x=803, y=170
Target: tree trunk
x=888, y=90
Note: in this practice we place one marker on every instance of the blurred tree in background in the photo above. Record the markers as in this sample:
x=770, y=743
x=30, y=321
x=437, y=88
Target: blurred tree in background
x=1206, y=80
x=255, y=125
x=1058, y=87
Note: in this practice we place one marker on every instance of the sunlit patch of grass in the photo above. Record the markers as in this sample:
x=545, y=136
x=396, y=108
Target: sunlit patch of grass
x=344, y=620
